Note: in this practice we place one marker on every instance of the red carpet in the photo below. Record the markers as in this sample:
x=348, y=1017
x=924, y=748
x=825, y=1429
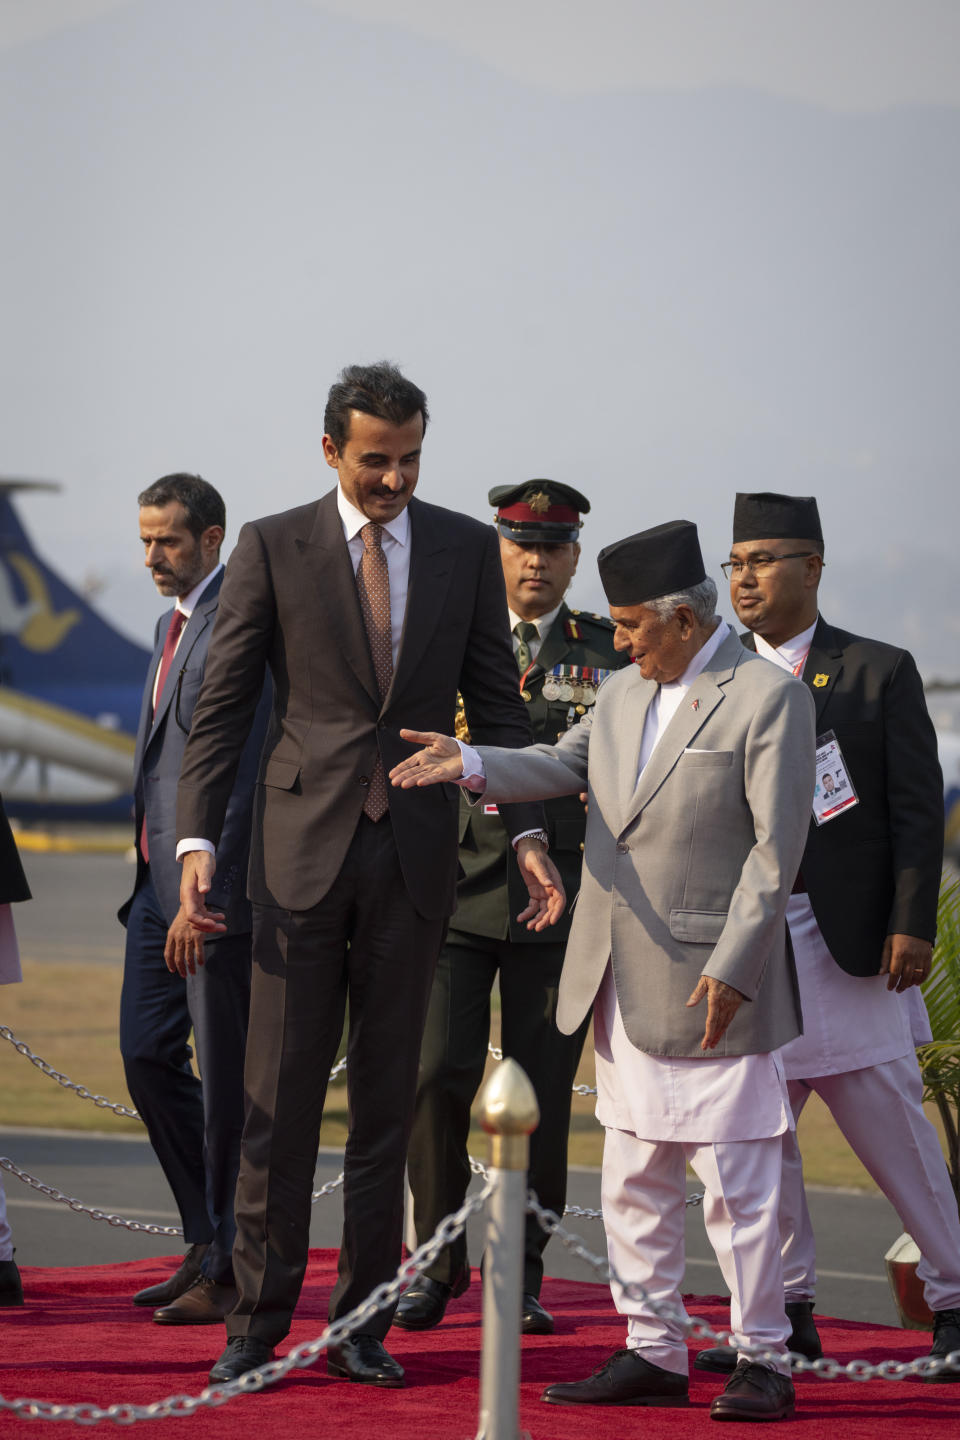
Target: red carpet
x=79, y=1338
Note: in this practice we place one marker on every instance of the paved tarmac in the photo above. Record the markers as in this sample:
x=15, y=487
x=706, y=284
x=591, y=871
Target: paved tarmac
x=73, y=917
x=120, y=1176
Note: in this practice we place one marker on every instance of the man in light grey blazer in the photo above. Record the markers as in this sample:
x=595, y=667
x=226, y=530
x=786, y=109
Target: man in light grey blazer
x=698, y=767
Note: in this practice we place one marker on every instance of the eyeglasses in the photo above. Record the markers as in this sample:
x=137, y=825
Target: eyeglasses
x=762, y=564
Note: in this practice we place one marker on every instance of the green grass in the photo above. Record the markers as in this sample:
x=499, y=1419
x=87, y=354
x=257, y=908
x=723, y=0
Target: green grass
x=68, y=1015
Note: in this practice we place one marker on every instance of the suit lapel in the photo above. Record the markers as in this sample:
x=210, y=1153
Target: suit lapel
x=201, y=617
x=824, y=666
x=702, y=698
x=330, y=568
x=432, y=562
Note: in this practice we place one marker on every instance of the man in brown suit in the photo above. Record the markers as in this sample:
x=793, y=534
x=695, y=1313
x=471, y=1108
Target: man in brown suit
x=371, y=609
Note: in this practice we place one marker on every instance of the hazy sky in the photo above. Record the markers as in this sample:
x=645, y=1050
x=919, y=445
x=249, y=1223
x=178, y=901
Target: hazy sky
x=662, y=251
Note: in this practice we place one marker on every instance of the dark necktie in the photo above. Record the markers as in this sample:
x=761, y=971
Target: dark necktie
x=525, y=631
x=177, y=622
x=373, y=585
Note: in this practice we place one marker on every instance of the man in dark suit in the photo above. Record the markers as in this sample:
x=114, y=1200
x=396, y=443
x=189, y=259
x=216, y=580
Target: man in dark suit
x=562, y=655
x=13, y=888
x=194, y=1125
x=369, y=608
x=863, y=914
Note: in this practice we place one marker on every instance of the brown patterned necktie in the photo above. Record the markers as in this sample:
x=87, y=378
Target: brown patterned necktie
x=373, y=585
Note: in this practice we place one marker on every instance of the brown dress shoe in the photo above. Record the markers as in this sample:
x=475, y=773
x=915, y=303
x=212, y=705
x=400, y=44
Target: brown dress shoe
x=754, y=1392
x=625, y=1379
x=181, y=1279
x=205, y=1303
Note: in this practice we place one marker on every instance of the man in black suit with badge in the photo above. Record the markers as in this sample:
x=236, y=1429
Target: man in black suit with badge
x=562, y=655
x=863, y=913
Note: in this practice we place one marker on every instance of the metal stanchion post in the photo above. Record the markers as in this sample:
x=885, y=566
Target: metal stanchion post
x=509, y=1113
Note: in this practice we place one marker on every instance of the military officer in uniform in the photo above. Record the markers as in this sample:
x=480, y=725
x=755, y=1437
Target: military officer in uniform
x=562, y=655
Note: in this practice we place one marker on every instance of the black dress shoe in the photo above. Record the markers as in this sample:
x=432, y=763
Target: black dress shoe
x=362, y=1358
x=243, y=1353
x=804, y=1340
x=946, y=1339
x=754, y=1392
x=181, y=1280
x=625, y=1379
x=205, y=1303
x=534, y=1320
x=11, y=1286
x=423, y=1305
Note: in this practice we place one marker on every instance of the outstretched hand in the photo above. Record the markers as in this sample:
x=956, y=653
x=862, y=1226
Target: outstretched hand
x=542, y=879
x=438, y=761
x=723, y=1002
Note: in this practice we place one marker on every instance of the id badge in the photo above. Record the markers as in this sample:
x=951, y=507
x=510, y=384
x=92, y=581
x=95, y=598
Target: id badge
x=834, y=790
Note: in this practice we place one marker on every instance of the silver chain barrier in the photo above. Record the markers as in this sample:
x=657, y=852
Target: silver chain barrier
x=300, y=1358
x=117, y=1220
x=101, y=1101
x=923, y=1367
x=577, y=1089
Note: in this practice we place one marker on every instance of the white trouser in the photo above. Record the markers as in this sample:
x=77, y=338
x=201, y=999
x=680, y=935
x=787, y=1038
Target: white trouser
x=879, y=1109
x=643, y=1197
x=6, y=1239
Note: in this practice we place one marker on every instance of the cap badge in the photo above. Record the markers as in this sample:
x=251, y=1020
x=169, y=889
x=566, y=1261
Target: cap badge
x=539, y=502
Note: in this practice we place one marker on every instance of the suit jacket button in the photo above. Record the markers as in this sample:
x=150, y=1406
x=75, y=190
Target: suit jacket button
x=364, y=780
x=622, y=847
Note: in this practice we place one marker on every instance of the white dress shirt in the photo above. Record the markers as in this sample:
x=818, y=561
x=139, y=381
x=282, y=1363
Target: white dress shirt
x=396, y=548
x=186, y=606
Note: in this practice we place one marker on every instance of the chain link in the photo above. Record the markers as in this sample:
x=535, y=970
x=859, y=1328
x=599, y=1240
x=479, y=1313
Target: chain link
x=923, y=1367
x=577, y=1089
x=101, y=1101
x=118, y=1221
x=300, y=1358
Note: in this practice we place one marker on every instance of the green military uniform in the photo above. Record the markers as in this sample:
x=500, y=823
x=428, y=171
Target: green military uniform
x=485, y=939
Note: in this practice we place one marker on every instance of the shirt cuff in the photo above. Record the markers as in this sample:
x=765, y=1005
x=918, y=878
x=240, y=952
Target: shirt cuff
x=473, y=777
x=184, y=846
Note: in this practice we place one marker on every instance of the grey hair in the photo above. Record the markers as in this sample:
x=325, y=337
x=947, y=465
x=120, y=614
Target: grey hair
x=701, y=598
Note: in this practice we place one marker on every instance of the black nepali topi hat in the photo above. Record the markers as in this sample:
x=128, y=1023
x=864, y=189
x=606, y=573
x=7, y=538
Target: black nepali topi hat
x=541, y=511
x=656, y=562
x=768, y=516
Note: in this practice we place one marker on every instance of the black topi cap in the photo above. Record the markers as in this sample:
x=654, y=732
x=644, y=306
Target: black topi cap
x=767, y=516
x=656, y=562
x=539, y=510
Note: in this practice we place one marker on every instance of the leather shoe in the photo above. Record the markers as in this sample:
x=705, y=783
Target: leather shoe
x=625, y=1379
x=754, y=1392
x=243, y=1353
x=534, y=1320
x=946, y=1339
x=362, y=1358
x=804, y=1340
x=423, y=1305
x=205, y=1303
x=11, y=1286
x=179, y=1281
